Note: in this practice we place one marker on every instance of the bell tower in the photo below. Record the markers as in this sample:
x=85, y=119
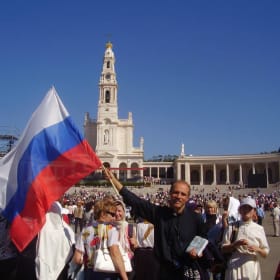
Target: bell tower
x=108, y=88
x=111, y=137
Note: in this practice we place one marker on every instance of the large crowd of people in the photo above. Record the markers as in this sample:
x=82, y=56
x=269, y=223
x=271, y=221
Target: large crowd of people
x=154, y=234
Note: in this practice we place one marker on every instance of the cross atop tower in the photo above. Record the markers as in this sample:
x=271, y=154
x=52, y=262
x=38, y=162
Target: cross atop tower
x=109, y=44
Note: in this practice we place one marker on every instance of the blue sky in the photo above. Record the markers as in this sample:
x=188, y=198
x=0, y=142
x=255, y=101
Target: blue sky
x=203, y=72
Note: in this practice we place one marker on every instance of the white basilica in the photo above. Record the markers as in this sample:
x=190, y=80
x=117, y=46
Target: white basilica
x=112, y=140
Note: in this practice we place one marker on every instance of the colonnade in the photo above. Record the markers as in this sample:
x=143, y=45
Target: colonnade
x=227, y=173
x=216, y=170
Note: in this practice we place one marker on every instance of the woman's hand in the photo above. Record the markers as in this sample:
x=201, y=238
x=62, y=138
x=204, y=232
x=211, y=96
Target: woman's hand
x=257, y=249
x=78, y=257
x=231, y=247
x=133, y=243
x=253, y=248
x=225, y=219
x=240, y=242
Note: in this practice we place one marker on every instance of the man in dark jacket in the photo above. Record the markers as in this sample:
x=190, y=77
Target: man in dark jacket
x=174, y=228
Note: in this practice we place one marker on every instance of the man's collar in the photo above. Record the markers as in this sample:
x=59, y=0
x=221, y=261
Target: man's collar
x=179, y=214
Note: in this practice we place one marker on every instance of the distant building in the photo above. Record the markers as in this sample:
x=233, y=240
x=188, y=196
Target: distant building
x=112, y=140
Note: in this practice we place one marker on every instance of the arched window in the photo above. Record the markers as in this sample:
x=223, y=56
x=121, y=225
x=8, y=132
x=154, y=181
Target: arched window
x=107, y=96
x=108, y=64
x=123, y=171
x=135, y=172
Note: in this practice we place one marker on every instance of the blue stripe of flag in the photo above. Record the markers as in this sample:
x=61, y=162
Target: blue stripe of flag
x=44, y=148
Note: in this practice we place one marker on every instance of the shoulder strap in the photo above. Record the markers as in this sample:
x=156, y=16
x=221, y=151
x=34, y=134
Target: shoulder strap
x=234, y=232
x=102, y=234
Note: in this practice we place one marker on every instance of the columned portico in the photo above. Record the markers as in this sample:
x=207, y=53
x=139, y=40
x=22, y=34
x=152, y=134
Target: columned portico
x=229, y=170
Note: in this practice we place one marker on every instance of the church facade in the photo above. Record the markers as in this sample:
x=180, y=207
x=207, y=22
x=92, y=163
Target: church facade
x=112, y=140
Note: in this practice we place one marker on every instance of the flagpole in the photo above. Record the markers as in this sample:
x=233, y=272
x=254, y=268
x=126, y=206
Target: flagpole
x=110, y=179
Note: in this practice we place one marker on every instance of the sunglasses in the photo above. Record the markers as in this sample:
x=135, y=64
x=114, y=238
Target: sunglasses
x=111, y=213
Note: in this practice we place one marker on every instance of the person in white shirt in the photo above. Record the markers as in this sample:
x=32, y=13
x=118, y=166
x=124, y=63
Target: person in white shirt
x=79, y=215
x=55, y=246
x=89, y=240
x=145, y=234
x=275, y=216
x=250, y=244
x=146, y=264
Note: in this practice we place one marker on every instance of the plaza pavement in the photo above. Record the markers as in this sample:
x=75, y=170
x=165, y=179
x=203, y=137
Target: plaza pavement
x=269, y=264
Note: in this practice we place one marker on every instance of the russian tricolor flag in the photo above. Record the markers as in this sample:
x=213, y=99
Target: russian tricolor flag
x=49, y=158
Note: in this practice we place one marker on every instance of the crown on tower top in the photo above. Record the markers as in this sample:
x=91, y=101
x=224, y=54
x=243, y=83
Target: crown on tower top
x=109, y=45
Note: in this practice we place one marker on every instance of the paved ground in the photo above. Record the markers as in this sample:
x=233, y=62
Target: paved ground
x=269, y=265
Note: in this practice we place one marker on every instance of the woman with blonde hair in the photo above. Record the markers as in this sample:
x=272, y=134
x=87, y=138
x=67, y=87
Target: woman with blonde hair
x=127, y=234
x=211, y=215
x=213, y=227
x=89, y=241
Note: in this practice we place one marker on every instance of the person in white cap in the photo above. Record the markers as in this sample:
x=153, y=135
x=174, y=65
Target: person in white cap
x=250, y=244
